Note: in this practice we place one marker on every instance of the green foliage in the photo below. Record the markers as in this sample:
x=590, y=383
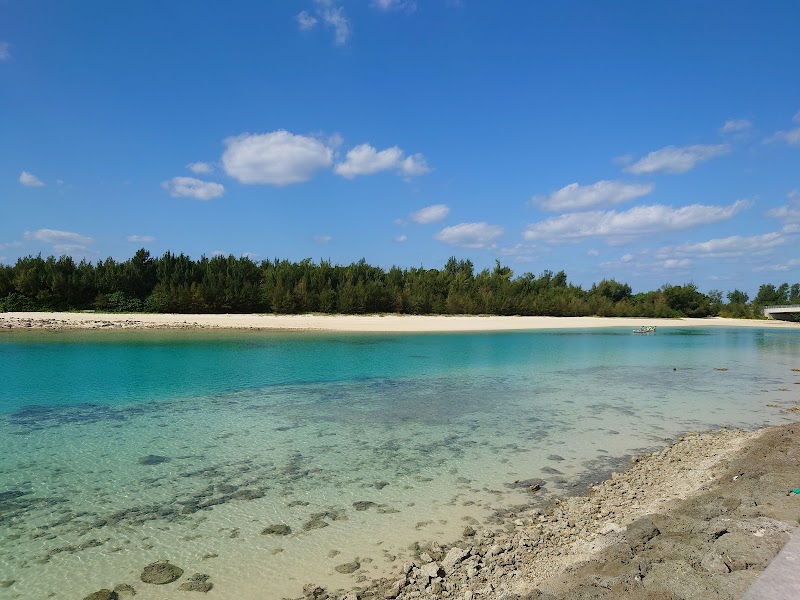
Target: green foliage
x=226, y=284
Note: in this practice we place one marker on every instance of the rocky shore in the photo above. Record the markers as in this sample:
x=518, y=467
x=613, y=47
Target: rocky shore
x=701, y=518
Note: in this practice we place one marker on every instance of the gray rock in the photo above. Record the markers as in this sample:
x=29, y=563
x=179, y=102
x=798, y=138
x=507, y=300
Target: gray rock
x=363, y=505
x=453, y=557
x=468, y=531
x=640, y=532
x=348, y=568
x=431, y=570
x=714, y=562
x=102, y=595
x=277, y=529
x=124, y=589
x=199, y=582
x=161, y=572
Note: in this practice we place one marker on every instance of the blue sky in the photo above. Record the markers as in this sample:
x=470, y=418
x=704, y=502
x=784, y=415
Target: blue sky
x=651, y=142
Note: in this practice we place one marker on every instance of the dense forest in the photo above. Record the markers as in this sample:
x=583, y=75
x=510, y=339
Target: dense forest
x=177, y=284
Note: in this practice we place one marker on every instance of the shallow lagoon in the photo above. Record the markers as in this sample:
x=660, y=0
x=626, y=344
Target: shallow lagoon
x=119, y=448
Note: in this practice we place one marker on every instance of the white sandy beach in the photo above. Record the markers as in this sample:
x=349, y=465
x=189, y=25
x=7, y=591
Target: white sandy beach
x=354, y=323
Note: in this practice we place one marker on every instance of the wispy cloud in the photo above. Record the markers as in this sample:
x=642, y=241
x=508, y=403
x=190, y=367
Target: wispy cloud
x=200, y=168
x=322, y=239
x=366, y=160
x=388, y=5
x=190, y=187
x=603, y=193
x=275, y=158
x=401, y=238
x=676, y=159
x=791, y=137
x=30, y=180
x=471, y=235
x=140, y=239
x=430, y=214
x=5, y=51
x=331, y=16
x=735, y=126
x=621, y=226
x=729, y=247
x=66, y=242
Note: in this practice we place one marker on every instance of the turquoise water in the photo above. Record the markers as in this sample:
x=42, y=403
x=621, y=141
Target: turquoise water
x=119, y=448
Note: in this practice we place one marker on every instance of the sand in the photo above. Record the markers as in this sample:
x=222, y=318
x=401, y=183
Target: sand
x=353, y=323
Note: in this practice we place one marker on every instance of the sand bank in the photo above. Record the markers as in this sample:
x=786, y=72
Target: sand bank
x=354, y=323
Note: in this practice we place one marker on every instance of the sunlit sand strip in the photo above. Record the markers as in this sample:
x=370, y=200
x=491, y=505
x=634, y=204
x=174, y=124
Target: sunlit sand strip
x=353, y=323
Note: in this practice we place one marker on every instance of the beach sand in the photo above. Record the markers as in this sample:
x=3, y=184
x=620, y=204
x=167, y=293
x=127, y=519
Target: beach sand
x=352, y=323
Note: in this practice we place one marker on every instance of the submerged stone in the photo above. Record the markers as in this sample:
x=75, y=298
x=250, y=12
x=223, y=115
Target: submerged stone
x=153, y=459
x=278, y=529
x=102, y=595
x=124, y=588
x=348, y=568
x=197, y=583
x=161, y=572
x=363, y=505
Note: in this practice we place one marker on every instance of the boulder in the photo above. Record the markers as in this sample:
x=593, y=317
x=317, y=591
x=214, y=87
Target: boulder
x=640, y=532
x=197, y=583
x=277, y=529
x=102, y=595
x=161, y=572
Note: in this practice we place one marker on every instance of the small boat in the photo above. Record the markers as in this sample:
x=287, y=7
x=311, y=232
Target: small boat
x=646, y=329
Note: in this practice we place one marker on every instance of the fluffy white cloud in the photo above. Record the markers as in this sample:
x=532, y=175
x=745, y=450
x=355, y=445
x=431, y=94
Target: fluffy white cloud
x=30, y=180
x=729, y=247
x=140, y=239
x=322, y=239
x=5, y=51
x=401, y=238
x=736, y=126
x=471, y=235
x=792, y=264
x=190, y=187
x=200, y=168
x=366, y=160
x=275, y=158
x=430, y=214
x=617, y=226
x=409, y=5
x=305, y=21
x=65, y=242
x=676, y=159
x=603, y=193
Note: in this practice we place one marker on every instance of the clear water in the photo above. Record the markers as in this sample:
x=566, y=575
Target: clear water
x=244, y=430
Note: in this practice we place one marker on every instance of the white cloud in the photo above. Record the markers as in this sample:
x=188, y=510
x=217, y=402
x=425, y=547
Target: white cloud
x=140, y=239
x=674, y=263
x=305, y=21
x=5, y=51
x=729, y=247
x=387, y=5
x=275, y=158
x=64, y=242
x=603, y=193
x=735, y=126
x=791, y=137
x=333, y=17
x=676, y=159
x=322, y=239
x=366, y=160
x=471, y=235
x=593, y=252
x=430, y=214
x=791, y=264
x=190, y=187
x=217, y=253
x=30, y=180
x=250, y=255
x=200, y=168
x=622, y=226
x=401, y=238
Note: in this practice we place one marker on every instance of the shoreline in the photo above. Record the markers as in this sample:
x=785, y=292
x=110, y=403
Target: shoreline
x=700, y=518
x=389, y=323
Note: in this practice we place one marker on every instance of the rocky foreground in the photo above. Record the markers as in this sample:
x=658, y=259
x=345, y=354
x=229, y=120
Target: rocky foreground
x=699, y=519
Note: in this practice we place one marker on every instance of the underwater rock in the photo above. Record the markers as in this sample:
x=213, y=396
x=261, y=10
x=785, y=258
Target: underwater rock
x=248, y=494
x=102, y=595
x=363, y=504
x=379, y=485
x=153, y=459
x=348, y=568
x=555, y=457
x=551, y=471
x=278, y=529
x=161, y=572
x=124, y=588
x=197, y=583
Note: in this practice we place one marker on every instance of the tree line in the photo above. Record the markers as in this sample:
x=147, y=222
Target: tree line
x=175, y=283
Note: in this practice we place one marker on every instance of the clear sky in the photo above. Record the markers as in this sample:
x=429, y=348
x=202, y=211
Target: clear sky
x=652, y=142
